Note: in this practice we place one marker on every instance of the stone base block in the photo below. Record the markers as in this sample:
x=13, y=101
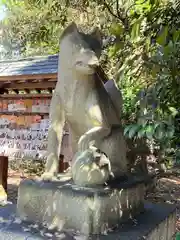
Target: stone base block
x=90, y=211
x=157, y=222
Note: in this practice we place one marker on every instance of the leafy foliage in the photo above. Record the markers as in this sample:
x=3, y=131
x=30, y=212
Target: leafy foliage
x=37, y=24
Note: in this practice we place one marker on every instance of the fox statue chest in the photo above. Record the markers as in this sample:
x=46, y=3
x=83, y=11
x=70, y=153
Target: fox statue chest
x=82, y=108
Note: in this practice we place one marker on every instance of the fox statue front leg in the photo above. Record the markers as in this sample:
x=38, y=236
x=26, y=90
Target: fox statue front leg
x=55, y=133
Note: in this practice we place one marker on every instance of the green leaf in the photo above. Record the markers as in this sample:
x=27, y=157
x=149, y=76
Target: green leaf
x=161, y=39
x=170, y=132
x=133, y=130
x=116, y=29
x=127, y=128
x=135, y=32
x=155, y=70
x=160, y=132
x=114, y=49
x=141, y=133
x=176, y=35
x=148, y=43
x=149, y=131
x=167, y=49
x=156, y=126
x=173, y=111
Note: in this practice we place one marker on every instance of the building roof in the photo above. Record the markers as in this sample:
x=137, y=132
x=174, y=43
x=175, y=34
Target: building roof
x=29, y=66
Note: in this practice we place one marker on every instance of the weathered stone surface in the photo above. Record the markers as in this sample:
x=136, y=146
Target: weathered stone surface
x=157, y=222
x=92, y=113
x=88, y=210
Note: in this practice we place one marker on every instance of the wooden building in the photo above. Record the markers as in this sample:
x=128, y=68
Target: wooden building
x=29, y=79
x=35, y=73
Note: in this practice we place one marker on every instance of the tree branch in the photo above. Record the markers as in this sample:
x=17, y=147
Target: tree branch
x=118, y=16
x=109, y=9
x=117, y=8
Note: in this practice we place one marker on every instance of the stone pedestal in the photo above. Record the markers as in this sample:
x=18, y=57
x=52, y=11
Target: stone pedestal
x=88, y=213
x=91, y=211
x=157, y=222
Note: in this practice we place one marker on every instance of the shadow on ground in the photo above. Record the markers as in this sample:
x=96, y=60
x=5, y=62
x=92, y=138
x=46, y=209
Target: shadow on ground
x=12, y=193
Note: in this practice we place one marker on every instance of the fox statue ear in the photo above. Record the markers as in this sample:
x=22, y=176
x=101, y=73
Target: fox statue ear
x=71, y=28
x=96, y=33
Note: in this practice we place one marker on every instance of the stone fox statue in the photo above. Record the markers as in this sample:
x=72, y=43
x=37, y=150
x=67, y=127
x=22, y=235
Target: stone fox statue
x=81, y=99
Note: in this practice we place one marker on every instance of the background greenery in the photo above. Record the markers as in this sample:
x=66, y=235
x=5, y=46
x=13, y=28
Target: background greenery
x=141, y=52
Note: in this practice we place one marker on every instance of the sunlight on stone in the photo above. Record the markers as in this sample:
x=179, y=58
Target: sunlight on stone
x=60, y=235
x=26, y=229
x=48, y=235
x=60, y=224
x=35, y=226
x=81, y=238
x=2, y=220
x=90, y=203
x=95, y=111
x=42, y=232
x=64, y=177
x=17, y=220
